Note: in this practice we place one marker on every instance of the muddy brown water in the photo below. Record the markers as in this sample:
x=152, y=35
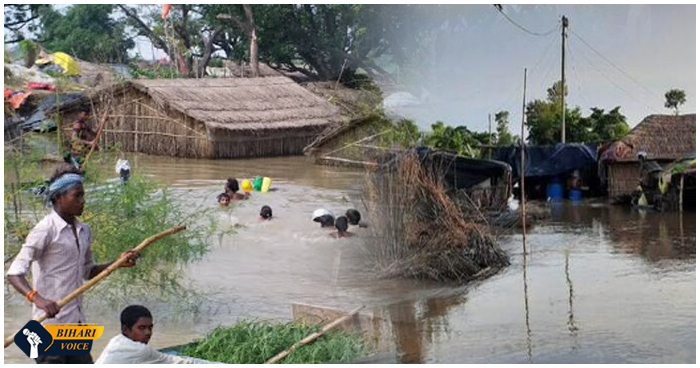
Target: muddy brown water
x=600, y=284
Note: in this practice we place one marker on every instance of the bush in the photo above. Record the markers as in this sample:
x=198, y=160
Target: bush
x=254, y=342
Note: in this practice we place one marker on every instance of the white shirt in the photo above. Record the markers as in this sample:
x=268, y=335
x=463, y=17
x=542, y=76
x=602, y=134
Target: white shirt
x=59, y=263
x=123, y=350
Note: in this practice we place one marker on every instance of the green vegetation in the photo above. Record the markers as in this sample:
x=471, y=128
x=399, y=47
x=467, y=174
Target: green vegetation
x=504, y=137
x=86, y=31
x=254, y=342
x=157, y=72
x=120, y=217
x=544, y=121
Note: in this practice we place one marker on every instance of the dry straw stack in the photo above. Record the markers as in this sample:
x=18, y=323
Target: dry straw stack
x=420, y=232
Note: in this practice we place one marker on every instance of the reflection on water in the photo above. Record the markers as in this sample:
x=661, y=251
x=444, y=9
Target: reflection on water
x=598, y=284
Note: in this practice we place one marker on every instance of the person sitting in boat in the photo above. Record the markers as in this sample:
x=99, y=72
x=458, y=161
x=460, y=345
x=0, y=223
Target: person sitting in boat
x=324, y=217
x=266, y=213
x=231, y=189
x=131, y=346
x=341, y=224
x=223, y=199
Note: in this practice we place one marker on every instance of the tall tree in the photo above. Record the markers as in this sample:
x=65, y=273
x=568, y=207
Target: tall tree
x=247, y=24
x=674, y=99
x=503, y=133
x=87, y=31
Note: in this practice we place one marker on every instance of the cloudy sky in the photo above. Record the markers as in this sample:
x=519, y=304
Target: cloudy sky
x=642, y=51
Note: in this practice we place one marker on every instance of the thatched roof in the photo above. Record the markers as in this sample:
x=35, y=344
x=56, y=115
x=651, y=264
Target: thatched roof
x=234, y=103
x=662, y=137
x=242, y=103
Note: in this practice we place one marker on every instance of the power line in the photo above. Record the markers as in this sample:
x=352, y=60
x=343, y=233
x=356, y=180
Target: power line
x=577, y=79
x=518, y=85
x=611, y=63
x=614, y=83
x=500, y=10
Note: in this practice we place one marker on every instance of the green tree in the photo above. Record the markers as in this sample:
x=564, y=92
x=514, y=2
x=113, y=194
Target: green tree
x=504, y=137
x=605, y=126
x=674, y=99
x=457, y=139
x=544, y=119
x=87, y=31
x=405, y=132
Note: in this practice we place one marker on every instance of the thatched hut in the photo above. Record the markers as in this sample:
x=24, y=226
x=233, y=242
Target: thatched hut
x=663, y=138
x=349, y=144
x=208, y=118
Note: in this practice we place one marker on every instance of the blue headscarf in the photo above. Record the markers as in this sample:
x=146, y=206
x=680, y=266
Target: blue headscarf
x=63, y=184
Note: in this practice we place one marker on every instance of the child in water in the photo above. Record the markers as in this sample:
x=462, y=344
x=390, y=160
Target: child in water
x=223, y=199
x=324, y=217
x=266, y=213
x=341, y=223
x=354, y=217
x=231, y=189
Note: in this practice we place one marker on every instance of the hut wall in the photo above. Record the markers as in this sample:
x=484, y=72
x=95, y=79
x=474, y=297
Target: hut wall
x=136, y=124
x=261, y=143
x=623, y=178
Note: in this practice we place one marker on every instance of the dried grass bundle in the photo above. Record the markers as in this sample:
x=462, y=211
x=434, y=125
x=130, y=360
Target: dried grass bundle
x=418, y=229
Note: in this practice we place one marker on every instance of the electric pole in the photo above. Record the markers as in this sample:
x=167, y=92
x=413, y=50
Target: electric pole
x=564, y=24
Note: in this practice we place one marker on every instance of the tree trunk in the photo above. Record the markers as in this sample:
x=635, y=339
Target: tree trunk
x=253, y=35
x=254, y=67
x=208, y=50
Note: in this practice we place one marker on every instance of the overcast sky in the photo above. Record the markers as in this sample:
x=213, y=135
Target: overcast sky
x=480, y=71
x=479, y=68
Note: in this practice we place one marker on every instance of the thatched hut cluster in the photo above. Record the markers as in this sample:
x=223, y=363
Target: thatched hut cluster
x=208, y=118
x=661, y=138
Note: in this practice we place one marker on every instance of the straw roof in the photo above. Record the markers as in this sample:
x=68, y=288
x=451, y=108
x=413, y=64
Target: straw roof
x=662, y=137
x=242, y=103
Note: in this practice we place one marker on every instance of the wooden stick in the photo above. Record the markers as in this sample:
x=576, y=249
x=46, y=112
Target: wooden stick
x=311, y=338
x=96, y=139
x=522, y=166
x=106, y=272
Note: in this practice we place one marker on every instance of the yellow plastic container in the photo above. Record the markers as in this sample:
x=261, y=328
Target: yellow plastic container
x=246, y=185
x=266, y=184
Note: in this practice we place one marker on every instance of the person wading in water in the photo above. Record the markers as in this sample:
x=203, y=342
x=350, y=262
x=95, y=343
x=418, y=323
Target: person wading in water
x=58, y=250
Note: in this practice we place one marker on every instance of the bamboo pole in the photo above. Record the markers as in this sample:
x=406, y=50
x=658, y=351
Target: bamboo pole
x=311, y=338
x=106, y=272
x=522, y=165
x=96, y=139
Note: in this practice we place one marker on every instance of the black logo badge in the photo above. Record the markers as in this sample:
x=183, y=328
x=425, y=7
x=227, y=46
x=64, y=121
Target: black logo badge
x=33, y=339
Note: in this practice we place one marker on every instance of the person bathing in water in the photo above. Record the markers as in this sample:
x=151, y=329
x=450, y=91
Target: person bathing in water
x=265, y=213
x=223, y=199
x=354, y=217
x=231, y=189
x=324, y=217
x=341, y=223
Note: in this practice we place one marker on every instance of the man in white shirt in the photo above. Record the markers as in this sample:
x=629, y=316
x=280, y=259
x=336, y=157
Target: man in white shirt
x=58, y=250
x=131, y=346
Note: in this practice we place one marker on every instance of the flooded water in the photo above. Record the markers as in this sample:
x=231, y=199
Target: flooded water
x=599, y=283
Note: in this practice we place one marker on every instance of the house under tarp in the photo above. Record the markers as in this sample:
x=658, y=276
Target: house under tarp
x=488, y=182
x=553, y=164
